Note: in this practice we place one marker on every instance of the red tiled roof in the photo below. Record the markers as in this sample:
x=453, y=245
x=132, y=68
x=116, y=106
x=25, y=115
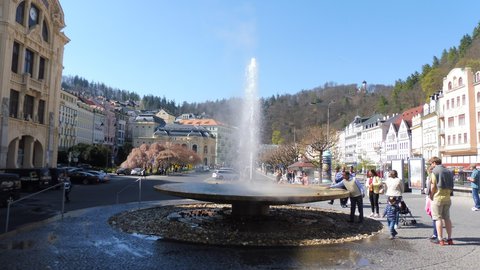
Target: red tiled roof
x=408, y=115
x=200, y=122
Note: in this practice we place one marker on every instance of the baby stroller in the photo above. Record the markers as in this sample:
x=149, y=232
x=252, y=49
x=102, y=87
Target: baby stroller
x=405, y=215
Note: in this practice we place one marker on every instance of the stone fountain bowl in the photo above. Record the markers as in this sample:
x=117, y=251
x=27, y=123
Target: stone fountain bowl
x=251, y=198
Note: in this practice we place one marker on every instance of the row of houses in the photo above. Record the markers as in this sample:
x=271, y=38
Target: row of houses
x=448, y=126
x=112, y=123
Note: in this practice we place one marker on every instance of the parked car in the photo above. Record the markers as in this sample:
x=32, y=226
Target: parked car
x=136, y=171
x=32, y=178
x=85, y=178
x=10, y=186
x=124, y=171
x=225, y=174
x=103, y=176
x=71, y=170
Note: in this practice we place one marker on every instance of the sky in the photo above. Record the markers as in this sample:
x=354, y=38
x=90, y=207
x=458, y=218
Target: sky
x=199, y=50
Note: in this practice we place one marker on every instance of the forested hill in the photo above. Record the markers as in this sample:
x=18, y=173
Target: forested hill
x=284, y=114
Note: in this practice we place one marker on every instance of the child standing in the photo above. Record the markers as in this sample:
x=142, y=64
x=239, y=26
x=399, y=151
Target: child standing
x=391, y=211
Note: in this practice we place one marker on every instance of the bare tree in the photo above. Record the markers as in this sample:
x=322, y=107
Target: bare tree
x=317, y=139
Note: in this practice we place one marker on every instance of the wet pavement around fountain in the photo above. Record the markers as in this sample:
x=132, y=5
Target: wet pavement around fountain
x=84, y=240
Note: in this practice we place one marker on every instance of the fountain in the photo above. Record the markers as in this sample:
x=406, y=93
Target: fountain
x=261, y=213
x=248, y=197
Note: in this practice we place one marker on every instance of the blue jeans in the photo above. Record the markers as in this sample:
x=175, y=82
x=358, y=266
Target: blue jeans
x=475, y=197
x=391, y=226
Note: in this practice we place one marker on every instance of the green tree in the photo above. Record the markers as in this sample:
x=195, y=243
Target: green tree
x=277, y=137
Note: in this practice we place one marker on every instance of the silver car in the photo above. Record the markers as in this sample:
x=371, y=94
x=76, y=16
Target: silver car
x=225, y=174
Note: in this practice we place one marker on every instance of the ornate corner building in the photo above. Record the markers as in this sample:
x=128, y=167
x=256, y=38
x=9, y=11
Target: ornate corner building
x=31, y=56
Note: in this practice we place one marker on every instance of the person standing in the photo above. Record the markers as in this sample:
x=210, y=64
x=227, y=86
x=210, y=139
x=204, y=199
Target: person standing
x=374, y=184
x=474, y=180
x=391, y=212
x=441, y=188
x=338, y=179
x=428, y=203
x=356, y=195
x=394, y=188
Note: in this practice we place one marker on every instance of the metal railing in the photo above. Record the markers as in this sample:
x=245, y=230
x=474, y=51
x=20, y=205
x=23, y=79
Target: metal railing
x=31, y=195
x=139, y=180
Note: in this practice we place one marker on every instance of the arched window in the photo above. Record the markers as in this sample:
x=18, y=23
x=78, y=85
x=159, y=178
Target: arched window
x=477, y=77
x=194, y=148
x=478, y=97
x=45, y=31
x=449, y=85
x=460, y=81
x=20, y=13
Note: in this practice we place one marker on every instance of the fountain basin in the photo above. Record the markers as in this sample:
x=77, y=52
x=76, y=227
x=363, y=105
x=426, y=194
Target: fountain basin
x=251, y=198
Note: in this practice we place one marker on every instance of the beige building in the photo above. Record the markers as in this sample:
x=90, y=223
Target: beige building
x=458, y=118
x=168, y=118
x=224, y=144
x=31, y=52
x=67, y=129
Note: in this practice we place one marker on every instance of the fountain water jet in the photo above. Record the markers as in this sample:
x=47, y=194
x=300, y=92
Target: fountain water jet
x=250, y=198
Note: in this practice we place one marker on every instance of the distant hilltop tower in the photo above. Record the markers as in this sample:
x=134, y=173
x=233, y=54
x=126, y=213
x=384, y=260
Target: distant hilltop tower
x=363, y=88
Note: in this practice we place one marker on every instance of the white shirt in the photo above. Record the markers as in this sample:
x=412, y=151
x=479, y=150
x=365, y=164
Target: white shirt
x=394, y=186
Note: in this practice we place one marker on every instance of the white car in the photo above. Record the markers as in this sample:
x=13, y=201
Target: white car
x=136, y=171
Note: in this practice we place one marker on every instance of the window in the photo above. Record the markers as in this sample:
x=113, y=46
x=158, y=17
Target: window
x=448, y=104
x=28, y=107
x=458, y=101
x=454, y=139
x=41, y=111
x=460, y=81
x=450, y=122
x=478, y=97
x=449, y=85
x=20, y=13
x=45, y=31
x=15, y=56
x=463, y=100
x=41, y=69
x=453, y=103
x=28, y=62
x=459, y=139
x=13, y=103
x=465, y=138
x=461, y=120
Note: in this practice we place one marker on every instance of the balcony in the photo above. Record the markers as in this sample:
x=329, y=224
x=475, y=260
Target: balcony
x=24, y=81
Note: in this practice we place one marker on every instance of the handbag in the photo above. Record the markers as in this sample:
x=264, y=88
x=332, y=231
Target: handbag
x=382, y=189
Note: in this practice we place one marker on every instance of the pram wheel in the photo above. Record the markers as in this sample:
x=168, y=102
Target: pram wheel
x=414, y=222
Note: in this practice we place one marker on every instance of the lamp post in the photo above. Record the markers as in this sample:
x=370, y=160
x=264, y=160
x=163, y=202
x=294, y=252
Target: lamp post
x=328, y=119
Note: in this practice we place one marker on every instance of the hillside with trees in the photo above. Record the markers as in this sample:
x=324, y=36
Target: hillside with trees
x=286, y=116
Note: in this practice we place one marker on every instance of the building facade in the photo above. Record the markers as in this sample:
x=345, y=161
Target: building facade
x=31, y=51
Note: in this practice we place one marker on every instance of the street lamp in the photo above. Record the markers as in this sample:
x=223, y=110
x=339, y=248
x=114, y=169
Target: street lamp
x=328, y=118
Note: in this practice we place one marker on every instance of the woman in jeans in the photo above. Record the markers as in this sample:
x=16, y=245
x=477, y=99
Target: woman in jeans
x=374, y=184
